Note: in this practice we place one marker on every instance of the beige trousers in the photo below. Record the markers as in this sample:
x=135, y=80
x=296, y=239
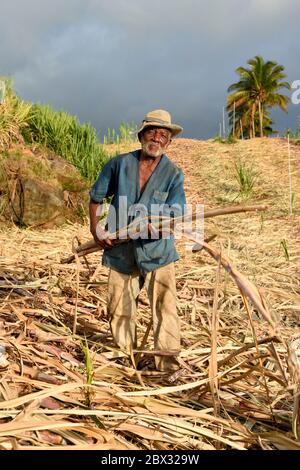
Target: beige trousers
x=123, y=291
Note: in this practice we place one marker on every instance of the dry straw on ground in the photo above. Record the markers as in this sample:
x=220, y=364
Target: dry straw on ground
x=238, y=382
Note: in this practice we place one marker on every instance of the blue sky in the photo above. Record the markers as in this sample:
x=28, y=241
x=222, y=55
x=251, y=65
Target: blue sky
x=112, y=61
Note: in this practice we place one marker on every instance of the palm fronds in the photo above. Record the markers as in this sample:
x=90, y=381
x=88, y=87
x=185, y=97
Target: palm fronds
x=252, y=97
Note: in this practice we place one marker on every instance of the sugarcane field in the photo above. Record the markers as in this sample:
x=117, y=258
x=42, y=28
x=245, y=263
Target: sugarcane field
x=65, y=384
x=149, y=233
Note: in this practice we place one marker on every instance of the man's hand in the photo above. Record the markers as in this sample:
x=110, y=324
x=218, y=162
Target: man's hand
x=101, y=237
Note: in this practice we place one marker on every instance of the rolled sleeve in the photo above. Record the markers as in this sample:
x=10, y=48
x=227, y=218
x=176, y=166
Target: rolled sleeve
x=104, y=185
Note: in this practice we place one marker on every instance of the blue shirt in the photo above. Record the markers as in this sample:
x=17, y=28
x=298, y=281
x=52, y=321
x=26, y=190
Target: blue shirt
x=120, y=177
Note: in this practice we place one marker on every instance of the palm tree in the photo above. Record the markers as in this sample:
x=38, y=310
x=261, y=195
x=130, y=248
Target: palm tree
x=255, y=94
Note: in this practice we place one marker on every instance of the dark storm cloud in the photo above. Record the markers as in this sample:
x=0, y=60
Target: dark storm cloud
x=109, y=61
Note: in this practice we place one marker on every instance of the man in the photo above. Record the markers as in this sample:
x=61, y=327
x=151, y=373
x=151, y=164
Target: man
x=144, y=178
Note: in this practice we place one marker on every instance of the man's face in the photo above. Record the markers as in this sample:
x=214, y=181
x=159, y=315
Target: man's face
x=155, y=141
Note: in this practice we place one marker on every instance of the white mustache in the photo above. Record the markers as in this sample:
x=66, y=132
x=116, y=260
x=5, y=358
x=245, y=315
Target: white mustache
x=156, y=145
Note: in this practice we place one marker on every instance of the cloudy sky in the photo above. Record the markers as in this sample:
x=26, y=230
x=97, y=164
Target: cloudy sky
x=109, y=61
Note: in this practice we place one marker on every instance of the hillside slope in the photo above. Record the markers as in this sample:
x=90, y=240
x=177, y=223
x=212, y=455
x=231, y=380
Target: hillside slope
x=237, y=377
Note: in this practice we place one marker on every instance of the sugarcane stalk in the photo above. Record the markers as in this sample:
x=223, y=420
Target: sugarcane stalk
x=91, y=246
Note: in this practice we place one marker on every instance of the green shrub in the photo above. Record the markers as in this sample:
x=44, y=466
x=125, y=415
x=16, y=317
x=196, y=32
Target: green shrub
x=246, y=177
x=228, y=140
x=13, y=116
x=63, y=133
x=127, y=133
x=56, y=130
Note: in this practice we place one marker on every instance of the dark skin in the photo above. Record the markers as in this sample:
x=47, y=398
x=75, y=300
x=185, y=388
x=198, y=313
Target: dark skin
x=154, y=141
x=93, y=210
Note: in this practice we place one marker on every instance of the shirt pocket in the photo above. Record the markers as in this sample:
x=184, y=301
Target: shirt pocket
x=160, y=196
x=158, y=206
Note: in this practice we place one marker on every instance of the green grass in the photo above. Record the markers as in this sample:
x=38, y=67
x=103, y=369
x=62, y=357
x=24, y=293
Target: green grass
x=4, y=187
x=285, y=248
x=228, y=140
x=82, y=213
x=127, y=133
x=56, y=130
x=13, y=116
x=246, y=178
x=89, y=370
x=64, y=135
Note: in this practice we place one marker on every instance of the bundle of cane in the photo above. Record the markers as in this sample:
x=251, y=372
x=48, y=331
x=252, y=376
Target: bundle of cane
x=246, y=287
x=163, y=223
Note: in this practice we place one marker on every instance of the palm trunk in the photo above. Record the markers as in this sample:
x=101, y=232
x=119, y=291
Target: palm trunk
x=253, y=120
x=233, y=127
x=241, y=126
x=260, y=119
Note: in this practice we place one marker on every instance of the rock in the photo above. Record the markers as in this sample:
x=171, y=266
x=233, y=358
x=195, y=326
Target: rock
x=66, y=174
x=37, y=202
x=40, y=189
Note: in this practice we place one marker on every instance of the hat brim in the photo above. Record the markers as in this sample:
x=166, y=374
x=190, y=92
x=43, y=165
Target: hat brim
x=173, y=128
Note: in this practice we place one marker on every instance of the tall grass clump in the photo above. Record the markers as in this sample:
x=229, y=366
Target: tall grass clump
x=297, y=133
x=127, y=133
x=89, y=371
x=63, y=133
x=13, y=115
x=228, y=140
x=246, y=178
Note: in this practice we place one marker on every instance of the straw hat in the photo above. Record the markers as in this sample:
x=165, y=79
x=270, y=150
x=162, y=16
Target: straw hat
x=159, y=118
